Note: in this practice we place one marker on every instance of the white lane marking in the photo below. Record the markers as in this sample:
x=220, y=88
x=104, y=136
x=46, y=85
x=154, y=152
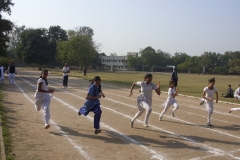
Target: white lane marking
x=213, y=150
x=155, y=155
x=79, y=148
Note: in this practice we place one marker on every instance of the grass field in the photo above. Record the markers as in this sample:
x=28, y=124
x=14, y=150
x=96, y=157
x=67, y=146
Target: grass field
x=5, y=130
x=188, y=84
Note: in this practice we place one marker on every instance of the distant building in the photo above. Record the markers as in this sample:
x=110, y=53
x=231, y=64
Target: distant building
x=134, y=54
x=116, y=62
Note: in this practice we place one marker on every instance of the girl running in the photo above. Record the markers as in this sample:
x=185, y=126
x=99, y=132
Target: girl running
x=99, y=88
x=172, y=92
x=93, y=104
x=42, y=97
x=208, y=97
x=144, y=100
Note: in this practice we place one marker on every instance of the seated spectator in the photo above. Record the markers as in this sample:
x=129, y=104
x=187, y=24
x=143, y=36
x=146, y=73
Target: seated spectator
x=229, y=93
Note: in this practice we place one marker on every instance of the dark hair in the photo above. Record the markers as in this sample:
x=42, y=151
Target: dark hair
x=211, y=80
x=170, y=82
x=229, y=85
x=41, y=75
x=96, y=78
x=147, y=75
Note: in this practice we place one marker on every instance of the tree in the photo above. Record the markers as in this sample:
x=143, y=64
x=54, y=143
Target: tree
x=5, y=25
x=34, y=47
x=79, y=49
x=179, y=58
x=15, y=36
x=134, y=62
x=234, y=66
x=113, y=54
x=148, y=56
x=57, y=34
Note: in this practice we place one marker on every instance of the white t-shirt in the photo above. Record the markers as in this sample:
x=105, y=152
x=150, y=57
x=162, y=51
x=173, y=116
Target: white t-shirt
x=65, y=69
x=210, y=93
x=171, y=91
x=146, y=92
x=44, y=86
x=237, y=92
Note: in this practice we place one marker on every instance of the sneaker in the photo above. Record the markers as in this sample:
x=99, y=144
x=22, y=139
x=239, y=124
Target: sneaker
x=97, y=131
x=209, y=124
x=172, y=113
x=145, y=125
x=46, y=126
x=131, y=124
x=230, y=111
x=202, y=103
x=160, y=118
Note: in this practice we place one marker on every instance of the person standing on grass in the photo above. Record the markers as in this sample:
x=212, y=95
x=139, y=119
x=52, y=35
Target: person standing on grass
x=144, y=100
x=11, y=73
x=208, y=98
x=175, y=76
x=92, y=103
x=65, y=71
x=1, y=74
x=84, y=70
x=42, y=97
x=170, y=100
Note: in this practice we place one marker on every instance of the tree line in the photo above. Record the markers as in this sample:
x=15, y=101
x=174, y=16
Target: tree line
x=208, y=62
x=53, y=46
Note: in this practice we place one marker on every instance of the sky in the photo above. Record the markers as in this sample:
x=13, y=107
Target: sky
x=121, y=26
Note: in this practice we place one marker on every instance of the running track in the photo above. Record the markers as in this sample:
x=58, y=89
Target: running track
x=184, y=137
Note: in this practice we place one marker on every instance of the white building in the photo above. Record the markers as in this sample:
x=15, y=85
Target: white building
x=117, y=62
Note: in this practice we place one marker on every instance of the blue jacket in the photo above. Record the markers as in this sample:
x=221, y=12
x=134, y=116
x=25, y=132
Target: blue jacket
x=93, y=91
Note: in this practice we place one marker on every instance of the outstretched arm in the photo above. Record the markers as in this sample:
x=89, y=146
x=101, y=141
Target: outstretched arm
x=158, y=91
x=216, y=97
x=174, y=95
x=133, y=85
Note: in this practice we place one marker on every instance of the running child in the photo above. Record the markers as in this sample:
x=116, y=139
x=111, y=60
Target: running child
x=172, y=92
x=42, y=97
x=93, y=104
x=144, y=100
x=237, y=93
x=237, y=96
x=208, y=97
x=99, y=88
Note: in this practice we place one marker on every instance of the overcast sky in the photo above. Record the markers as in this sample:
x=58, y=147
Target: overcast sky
x=121, y=26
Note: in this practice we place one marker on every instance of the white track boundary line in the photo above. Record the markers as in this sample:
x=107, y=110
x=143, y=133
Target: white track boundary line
x=155, y=155
x=79, y=148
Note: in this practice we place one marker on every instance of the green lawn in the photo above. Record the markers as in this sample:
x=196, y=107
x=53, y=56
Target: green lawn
x=188, y=84
x=5, y=130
